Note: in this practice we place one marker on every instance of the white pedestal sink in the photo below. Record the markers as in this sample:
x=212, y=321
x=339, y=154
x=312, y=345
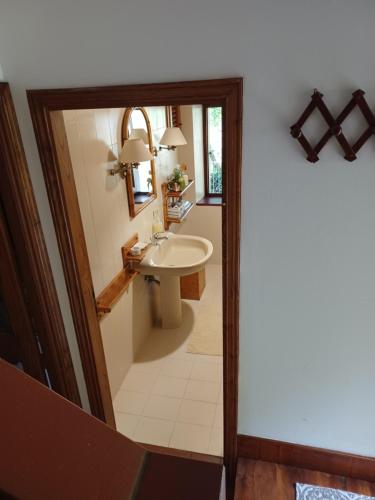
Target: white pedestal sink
x=179, y=255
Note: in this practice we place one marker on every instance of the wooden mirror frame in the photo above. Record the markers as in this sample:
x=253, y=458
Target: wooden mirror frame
x=135, y=208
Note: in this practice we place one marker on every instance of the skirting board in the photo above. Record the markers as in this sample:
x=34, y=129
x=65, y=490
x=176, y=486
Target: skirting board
x=306, y=457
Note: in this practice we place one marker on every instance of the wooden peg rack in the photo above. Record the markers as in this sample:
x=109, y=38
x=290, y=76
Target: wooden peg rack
x=334, y=126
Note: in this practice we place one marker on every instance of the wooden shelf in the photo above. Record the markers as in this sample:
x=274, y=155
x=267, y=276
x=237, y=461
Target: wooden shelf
x=178, y=194
x=120, y=283
x=173, y=194
x=127, y=257
x=112, y=292
x=178, y=221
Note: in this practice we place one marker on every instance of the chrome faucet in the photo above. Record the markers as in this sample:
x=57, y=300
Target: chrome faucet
x=156, y=237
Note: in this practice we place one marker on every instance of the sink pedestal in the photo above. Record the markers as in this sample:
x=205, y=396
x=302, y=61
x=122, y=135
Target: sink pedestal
x=170, y=299
x=178, y=255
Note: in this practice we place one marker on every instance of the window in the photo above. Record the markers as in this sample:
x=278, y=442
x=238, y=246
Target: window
x=213, y=150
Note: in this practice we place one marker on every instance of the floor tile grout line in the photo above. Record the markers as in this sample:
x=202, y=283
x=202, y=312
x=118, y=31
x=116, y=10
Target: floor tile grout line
x=217, y=404
x=170, y=438
x=194, y=360
x=205, y=426
x=170, y=419
x=175, y=421
x=183, y=358
x=169, y=376
x=150, y=392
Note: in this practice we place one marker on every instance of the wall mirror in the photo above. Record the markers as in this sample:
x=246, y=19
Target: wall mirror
x=140, y=181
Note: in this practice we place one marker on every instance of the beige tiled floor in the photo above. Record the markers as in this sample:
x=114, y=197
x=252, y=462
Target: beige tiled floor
x=171, y=397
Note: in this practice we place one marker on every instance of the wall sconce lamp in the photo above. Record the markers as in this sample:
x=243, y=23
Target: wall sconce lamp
x=172, y=138
x=132, y=154
x=140, y=133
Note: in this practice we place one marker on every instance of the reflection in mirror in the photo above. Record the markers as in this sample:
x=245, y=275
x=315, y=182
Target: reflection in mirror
x=140, y=180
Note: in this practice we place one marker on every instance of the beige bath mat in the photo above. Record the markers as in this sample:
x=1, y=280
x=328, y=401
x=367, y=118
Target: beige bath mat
x=207, y=336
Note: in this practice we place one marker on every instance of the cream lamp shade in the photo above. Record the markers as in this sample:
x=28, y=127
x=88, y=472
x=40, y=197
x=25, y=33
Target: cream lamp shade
x=134, y=151
x=173, y=137
x=139, y=133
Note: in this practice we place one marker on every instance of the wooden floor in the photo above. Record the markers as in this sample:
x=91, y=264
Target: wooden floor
x=266, y=481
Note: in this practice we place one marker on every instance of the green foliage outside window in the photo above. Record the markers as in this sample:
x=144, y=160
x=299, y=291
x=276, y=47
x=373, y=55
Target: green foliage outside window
x=214, y=124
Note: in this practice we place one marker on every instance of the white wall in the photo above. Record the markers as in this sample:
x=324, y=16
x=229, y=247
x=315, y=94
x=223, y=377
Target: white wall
x=192, y=154
x=308, y=232
x=186, y=153
x=94, y=138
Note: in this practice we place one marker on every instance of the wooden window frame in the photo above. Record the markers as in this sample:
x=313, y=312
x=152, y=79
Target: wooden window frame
x=208, y=197
x=173, y=116
x=46, y=108
x=38, y=287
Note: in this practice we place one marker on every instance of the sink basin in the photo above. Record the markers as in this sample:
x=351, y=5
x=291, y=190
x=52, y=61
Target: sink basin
x=179, y=255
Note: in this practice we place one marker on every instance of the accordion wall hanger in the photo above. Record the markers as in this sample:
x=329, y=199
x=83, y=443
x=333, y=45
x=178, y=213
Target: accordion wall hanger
x=334, y=126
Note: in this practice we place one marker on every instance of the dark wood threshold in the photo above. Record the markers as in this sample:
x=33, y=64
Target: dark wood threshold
x=208, y=201
x=307, y=457
x=201, y=457
x=174, y=478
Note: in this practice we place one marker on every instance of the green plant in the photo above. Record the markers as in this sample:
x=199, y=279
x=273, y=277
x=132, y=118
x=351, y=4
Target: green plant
x=215, y=175
x=177, y=177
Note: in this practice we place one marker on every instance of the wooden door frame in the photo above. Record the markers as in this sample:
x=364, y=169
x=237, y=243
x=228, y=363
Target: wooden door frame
x=38, y=288
x=12, y=295
x=46, y=110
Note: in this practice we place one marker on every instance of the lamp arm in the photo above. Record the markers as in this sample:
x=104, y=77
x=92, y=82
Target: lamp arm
x=123, y=169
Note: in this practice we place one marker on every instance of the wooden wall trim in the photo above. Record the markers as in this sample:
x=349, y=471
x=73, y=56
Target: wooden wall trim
x=55, y=160
x=17, y=197
x=231, y=220
x=12, y=295
x=307, y=457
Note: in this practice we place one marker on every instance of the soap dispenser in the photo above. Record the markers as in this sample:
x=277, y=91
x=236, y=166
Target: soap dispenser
x=157, y=225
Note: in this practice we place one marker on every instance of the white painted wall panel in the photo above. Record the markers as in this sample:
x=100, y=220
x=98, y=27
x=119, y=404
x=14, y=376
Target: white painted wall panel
x=308, y=232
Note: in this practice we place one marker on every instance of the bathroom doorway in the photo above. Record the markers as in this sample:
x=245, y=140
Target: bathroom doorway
x=162, y=331
x=223, y=97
